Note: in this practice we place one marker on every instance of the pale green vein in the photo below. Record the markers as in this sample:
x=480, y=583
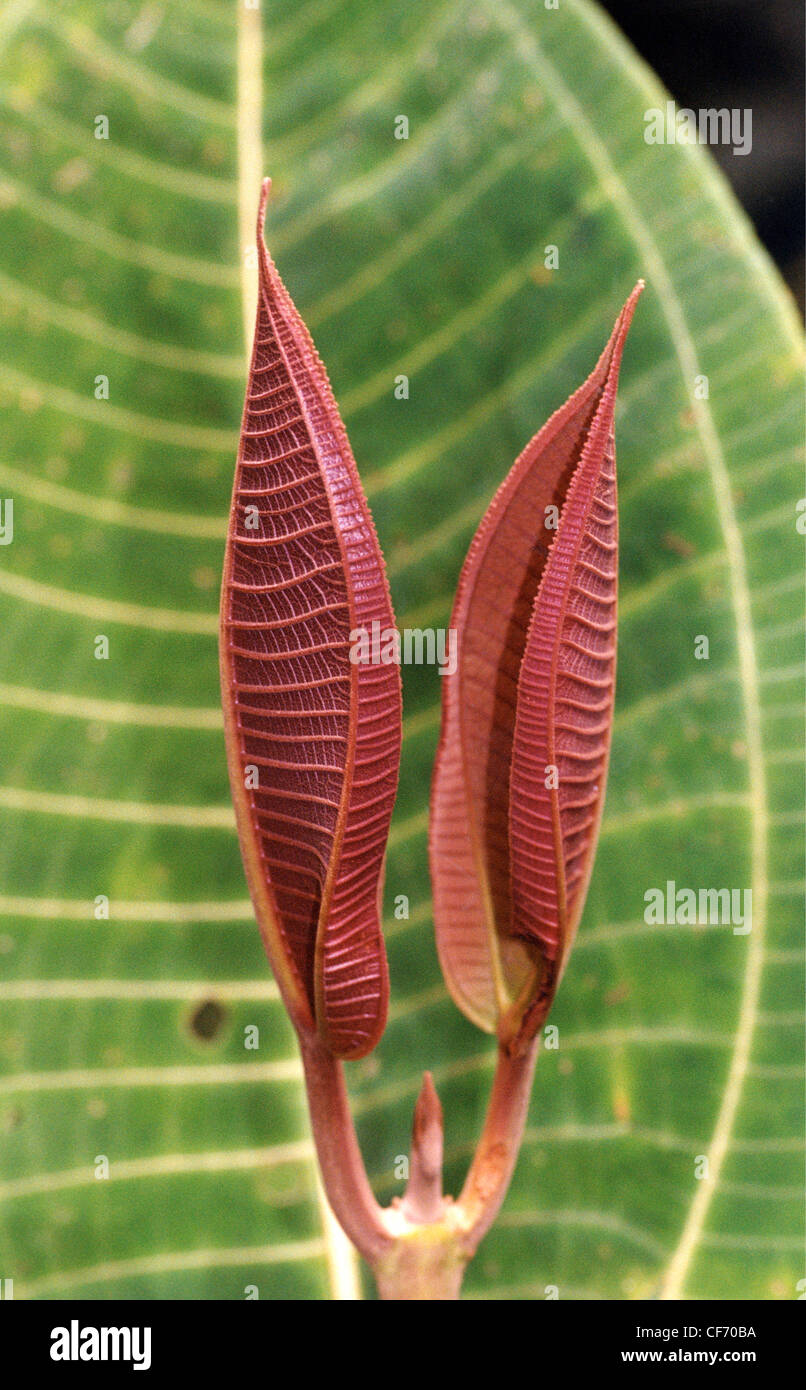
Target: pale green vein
x=420, y=456
x=388, y=79
x=129, y=812
x=89, y=50
x=178, y=434
x=44, y=309
x=187, y=526
x=386, y=172
x=61, y=705
x=403, y=248
x=127, y=991
x=601, y=1222
x=129, y=249
x=127, y=1078
x=250, y=159
x=58, y=910
x=172, y=1262
x=107, y=610
x=162, y=1166
x=436, y=344
x=201, y=187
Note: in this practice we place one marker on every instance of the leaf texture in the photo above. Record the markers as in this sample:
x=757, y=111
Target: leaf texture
x=535, y=616
x=313, y=738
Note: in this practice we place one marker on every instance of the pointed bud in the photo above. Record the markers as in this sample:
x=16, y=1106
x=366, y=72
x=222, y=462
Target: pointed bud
x=423, y=1200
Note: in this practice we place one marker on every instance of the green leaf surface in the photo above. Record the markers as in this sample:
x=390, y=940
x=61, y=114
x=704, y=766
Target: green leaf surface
x=663, y=1153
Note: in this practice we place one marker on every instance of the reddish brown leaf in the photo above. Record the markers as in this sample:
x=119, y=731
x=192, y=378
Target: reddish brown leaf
x=302, y=571
x=535, y=617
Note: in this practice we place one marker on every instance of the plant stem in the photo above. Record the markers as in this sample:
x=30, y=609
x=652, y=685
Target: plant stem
x=424, y=1265
x=491, y=1170
x=418, y=1247
x=340, y=1161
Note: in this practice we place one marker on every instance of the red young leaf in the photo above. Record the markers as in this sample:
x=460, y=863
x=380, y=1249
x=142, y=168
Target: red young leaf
x=533, y=692
x=313, y=738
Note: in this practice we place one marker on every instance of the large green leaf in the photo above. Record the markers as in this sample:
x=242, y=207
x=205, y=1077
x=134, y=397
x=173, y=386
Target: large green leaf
x=425, y=257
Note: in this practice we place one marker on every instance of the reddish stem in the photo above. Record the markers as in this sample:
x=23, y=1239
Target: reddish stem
x=495, y=1157
x=419, y=1248
x=340, y=1162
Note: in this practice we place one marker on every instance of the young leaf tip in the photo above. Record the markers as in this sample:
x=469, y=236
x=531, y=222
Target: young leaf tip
x=313, y=738
x=522, y=760
x=265, y=194
x=428, y=1110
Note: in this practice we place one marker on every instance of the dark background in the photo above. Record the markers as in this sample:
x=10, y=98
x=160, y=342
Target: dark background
x=739, y=53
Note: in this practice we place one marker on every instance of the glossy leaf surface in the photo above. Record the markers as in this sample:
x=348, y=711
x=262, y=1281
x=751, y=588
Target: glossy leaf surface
x=313, y=737
x=530, y=701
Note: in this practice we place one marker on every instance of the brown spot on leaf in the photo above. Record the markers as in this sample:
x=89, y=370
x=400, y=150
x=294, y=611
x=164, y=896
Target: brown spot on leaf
x=206, y=1020
x=678, y=544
